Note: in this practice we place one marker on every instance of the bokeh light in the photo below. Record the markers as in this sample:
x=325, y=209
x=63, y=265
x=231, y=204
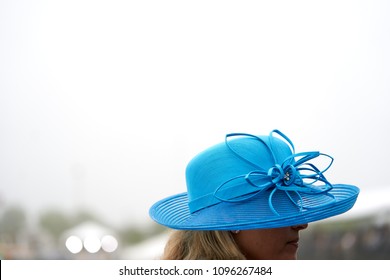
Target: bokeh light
x=92, y=244
x=109, y=243
x=74, y=244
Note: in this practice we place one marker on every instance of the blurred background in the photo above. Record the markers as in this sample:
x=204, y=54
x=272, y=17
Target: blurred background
x=103, y=103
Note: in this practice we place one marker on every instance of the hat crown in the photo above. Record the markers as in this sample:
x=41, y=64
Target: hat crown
x=221, y=163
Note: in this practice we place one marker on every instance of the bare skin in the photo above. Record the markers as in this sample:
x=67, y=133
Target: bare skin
x=270, y=244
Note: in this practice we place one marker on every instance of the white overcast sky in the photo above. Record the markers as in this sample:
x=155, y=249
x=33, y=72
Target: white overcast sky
x=102, y=103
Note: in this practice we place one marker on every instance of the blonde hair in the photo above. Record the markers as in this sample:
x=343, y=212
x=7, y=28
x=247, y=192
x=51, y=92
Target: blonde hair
x=201, y=245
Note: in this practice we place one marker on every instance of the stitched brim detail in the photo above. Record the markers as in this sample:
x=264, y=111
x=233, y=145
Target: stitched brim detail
x=255, y=213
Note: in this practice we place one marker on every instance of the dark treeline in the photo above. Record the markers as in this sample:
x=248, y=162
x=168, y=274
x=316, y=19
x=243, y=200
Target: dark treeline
x=362, y=239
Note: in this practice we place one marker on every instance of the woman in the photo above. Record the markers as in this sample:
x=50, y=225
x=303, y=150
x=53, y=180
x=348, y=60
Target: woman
x=248, y=198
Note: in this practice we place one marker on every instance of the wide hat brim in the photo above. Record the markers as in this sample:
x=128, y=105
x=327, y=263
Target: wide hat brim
x=255, y=212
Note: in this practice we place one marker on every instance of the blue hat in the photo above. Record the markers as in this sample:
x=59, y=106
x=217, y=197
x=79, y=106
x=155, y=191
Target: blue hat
x=254, y=182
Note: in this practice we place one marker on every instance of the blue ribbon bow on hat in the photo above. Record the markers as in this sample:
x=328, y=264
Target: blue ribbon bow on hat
x=294, y=175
